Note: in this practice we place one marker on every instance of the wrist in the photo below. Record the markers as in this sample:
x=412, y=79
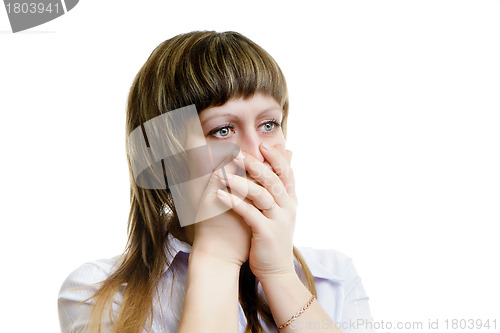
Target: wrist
x=286, y=294
x=199, y=257
x=278, y=278
x=281, y=273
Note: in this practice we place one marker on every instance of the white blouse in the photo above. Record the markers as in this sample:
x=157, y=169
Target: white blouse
x=338, y=287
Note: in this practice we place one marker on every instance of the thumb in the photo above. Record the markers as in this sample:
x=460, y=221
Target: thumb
x=210, y=206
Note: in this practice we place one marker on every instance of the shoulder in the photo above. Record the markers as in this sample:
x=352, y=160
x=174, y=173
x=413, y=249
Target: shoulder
x=89, y=273
x=327, y=263
x=76, y=290
x=344, y=284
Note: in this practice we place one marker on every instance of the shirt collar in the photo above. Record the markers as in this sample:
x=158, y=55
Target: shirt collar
x=321, y=263
x=315, y=259
x=176, y=246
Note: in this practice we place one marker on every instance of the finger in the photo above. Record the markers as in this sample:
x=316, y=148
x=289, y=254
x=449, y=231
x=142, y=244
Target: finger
x=287, y=153
x=265, y=176
x=260, y=197
x=250, y=214
x=280, y=163
x=206, y=205
x=213, y=181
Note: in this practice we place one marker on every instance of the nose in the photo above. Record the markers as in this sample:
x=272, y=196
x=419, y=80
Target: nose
x=249, y=143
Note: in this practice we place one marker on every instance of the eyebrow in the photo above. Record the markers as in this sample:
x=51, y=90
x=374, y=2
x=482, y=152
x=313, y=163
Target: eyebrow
x=235, y=116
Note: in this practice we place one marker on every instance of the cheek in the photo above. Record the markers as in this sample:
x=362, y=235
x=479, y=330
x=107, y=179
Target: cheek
x=204, y=160
x=277, y=142
x=193, y=141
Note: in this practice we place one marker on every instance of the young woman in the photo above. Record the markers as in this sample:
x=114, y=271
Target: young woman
x=225, y=261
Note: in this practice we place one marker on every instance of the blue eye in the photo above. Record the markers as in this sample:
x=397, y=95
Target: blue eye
x=222, y=132
x=271, y=125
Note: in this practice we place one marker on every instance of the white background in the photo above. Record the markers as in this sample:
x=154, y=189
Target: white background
x=394, y=124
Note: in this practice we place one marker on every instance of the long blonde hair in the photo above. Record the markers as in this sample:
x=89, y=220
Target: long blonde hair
x=207, y=69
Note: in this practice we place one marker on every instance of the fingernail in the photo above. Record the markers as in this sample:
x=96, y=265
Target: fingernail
x=266, y=147
x=221, y=193
x=223, y=181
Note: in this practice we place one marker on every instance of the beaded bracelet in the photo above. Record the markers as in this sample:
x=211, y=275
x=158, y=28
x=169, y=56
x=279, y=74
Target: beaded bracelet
x=301, y=311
